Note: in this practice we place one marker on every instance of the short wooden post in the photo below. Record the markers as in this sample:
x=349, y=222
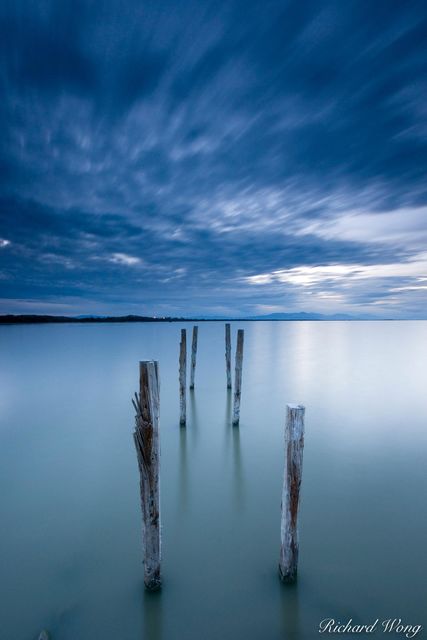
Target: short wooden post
x=294, y=445
x=146, y=437
x=183, y=377
x=228, y=354
x=238, y=377
x=193, y=357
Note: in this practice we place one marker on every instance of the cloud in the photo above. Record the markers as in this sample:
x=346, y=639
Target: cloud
x=403, y=227
x=343, y=273
x=123, y=258
x=346, y=286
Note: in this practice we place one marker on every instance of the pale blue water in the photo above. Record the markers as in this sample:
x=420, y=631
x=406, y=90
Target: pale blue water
x=70, y=535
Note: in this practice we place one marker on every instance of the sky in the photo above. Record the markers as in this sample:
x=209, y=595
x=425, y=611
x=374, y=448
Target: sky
x=213, y=158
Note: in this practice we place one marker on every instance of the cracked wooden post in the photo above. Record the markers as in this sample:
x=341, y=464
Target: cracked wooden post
x=228, y=354
x=183, y=377
x=193, y=357
x=238, y=377
x=294, y=445
x=146, y=437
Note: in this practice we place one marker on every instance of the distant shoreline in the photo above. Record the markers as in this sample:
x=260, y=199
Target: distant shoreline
x=48, y=319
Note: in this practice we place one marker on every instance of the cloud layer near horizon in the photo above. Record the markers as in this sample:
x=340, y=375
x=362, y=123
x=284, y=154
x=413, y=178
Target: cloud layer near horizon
x=211, y=158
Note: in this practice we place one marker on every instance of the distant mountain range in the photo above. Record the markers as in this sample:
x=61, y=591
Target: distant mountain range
x=43, y=319
x=303, y=315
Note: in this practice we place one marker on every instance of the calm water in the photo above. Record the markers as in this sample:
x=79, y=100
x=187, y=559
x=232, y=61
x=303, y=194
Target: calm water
x=70, y=535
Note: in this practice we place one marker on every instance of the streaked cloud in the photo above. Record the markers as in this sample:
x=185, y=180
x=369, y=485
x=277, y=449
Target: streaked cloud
x=405, y=227
x=312, y=276
x=348, y=286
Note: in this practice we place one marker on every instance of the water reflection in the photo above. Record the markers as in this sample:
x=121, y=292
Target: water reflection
x=238, y=483
x=228, y=407
x=183, y=470
x=194, y=418
x=152, y=608
x=220, y=485
x=227, y=422
x=232, y=445
x=289, y=611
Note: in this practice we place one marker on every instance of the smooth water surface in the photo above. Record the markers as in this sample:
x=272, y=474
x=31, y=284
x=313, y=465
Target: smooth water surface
x=70, y=535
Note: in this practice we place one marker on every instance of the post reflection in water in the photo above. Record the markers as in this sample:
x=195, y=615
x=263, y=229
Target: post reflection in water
x=289, y=611
x=227, y=422
x=194, y=418
x=183, y=471
x=233, y=450
x=152, y=610
x=238, y=484
x=228, y=408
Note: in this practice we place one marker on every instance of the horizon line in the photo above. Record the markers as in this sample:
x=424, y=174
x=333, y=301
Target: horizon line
x=302, y=316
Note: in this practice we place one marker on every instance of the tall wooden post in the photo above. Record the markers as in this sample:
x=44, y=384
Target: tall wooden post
x=193, y=357
x=228, y=354
x=238, y=377
x=294, y=445
x=146, y=437
x=183, y=377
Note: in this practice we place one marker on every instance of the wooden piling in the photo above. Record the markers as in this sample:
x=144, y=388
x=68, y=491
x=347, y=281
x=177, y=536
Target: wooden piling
x=238, y=377
x=183, y=377
x=294, y=445
x=228, y=354
x=146, y=437
x=193, y=357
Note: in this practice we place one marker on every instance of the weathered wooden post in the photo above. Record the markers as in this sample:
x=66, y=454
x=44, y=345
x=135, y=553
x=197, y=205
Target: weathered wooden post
x=193, y=357
x=238, y=377
x=294, y=445
x=146, y=436
x=228, y=354
x=183, y=377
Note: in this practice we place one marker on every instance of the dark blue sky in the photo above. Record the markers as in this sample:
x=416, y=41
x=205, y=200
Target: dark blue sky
x=213, y=157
